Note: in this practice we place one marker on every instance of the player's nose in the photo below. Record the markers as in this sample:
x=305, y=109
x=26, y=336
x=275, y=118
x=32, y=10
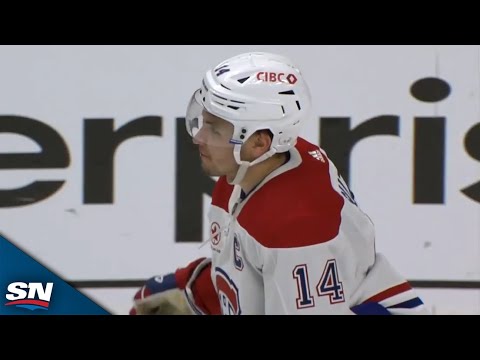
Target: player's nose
x=199, y=137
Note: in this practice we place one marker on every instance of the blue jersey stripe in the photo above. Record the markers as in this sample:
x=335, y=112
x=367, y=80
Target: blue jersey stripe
x=410, y=304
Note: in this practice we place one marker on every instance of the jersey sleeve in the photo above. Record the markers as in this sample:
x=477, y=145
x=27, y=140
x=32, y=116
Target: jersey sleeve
x=383, y=287
x=337, y=276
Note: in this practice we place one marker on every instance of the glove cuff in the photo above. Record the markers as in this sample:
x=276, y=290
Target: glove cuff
x=183, y=275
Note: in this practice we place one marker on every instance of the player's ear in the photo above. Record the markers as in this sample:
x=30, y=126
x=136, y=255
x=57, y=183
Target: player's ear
x=262, y=140
x=256, y=145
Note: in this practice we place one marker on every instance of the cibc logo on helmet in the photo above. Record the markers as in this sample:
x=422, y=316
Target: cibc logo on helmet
x=276, y=77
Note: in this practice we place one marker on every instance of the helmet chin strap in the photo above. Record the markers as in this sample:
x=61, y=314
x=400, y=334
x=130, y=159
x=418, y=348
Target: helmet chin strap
x=244, y=165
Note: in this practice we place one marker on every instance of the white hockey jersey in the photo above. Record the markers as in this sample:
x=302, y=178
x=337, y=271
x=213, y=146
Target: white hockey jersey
x=299, y=244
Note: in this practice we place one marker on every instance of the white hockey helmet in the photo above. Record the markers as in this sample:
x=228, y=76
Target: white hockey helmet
x=254, y=91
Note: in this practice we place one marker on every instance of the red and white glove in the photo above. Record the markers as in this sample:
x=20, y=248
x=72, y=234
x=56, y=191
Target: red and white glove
x=160, y=295
x=187, y=291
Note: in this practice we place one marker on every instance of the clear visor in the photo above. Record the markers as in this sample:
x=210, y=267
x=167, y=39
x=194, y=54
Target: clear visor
x=207, y=129
x=194, y=117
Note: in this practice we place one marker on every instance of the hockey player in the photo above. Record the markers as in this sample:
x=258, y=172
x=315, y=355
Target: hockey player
x=287, y=235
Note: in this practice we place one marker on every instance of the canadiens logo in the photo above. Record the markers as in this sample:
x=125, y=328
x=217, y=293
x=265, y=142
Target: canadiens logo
x=215, y=233
x=227, y=293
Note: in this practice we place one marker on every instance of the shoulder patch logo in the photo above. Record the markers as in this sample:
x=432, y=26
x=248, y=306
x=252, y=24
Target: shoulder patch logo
x=215, y=233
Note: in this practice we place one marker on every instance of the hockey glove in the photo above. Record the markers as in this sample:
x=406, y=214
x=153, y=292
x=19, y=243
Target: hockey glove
x=160, y=296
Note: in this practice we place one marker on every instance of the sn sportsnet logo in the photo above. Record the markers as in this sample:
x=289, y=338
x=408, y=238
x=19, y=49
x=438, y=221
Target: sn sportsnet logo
x=31, y=296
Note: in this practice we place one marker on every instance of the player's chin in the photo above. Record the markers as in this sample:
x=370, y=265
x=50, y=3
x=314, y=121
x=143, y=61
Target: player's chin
x=213, y=171
x=208, y=169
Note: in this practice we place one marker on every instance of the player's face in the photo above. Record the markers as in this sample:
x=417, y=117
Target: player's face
x=216, y=151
